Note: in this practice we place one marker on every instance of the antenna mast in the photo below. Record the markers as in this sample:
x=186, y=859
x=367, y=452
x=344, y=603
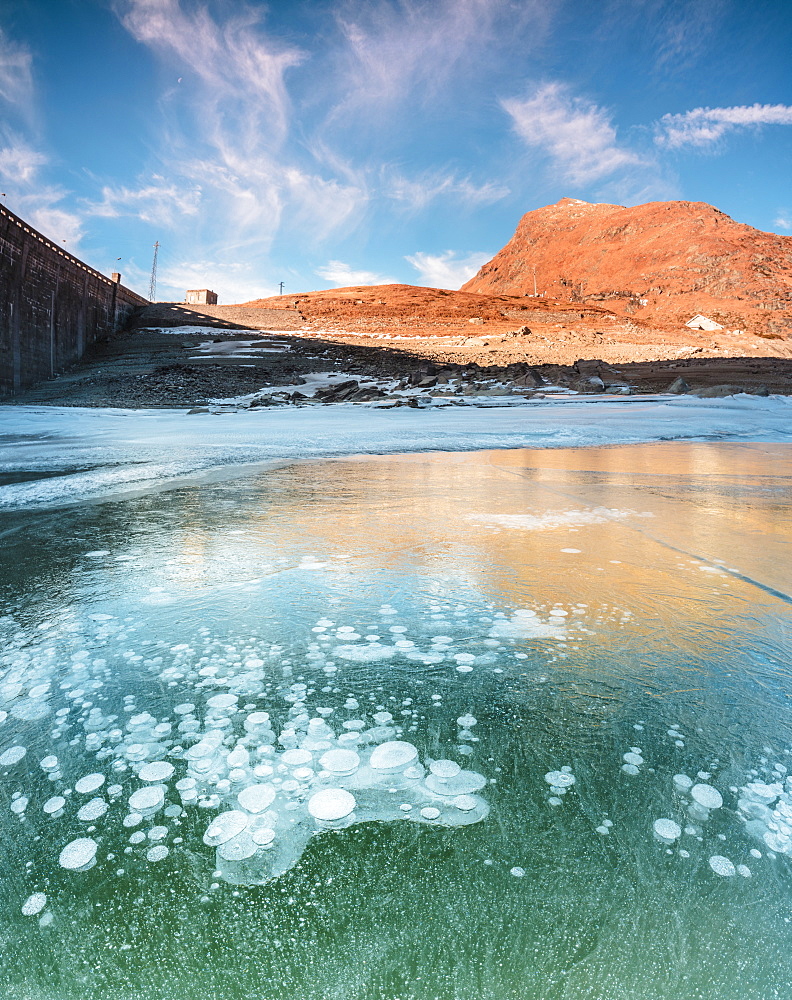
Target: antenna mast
x=153, y=283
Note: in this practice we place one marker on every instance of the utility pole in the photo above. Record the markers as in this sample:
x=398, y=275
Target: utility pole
x=153, y=283
x=281, y=288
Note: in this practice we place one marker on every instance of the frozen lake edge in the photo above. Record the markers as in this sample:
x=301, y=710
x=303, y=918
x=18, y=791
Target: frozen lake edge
x=67, y=455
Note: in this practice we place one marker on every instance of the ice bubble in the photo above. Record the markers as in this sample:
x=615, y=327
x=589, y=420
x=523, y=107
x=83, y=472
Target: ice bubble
x=54, y=806
x=667, y=830
x=296, y=758
x=393, y=756
x=263, y=836
x=256, y=798
x=220, y=702
x=225, y=826
x=707, y=796
x=79, y=855
x=444, y=768
x=560, y=779
x=340, y=762
x=633, y=758
x=49, y=763
x=462, y=783
x=133, y=819
x=239, y=757
x=19, y=805
x=722, y=866
x=603, y=830
x=34, y=904
x=12, y=756
x=148, y=799
x=466, y=721
x=238, y=848
x=744, y=870
x=331, y=805
x=89, y=783
x=630, y=769
x=137, y=837
x=517, y=872
x=157, y=853
x=466, y=803
x=430, y=813
x=763, y=793
x=157, y=770
x=92, y=810
x=754, y=853
x=682, y=782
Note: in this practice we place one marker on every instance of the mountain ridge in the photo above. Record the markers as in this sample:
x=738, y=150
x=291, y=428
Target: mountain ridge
x=662, y=262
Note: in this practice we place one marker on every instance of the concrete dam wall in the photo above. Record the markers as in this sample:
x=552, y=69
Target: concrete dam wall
x=52, y=306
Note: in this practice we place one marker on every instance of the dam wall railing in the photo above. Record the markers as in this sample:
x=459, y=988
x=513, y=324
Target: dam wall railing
x=52, y=305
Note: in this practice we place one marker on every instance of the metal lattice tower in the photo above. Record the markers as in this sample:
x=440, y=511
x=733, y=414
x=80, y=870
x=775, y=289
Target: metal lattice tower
x=153, y=283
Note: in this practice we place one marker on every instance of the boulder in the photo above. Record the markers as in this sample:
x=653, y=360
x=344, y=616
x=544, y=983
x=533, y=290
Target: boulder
x=678, y=386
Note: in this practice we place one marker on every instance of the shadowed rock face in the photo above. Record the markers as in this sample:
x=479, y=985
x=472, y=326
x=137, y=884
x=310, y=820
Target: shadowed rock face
x=663, y=262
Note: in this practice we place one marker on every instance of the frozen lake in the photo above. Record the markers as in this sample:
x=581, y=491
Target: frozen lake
x=461, y=724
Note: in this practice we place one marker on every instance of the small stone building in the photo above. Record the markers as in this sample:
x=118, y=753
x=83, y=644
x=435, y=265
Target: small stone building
x=201, y=297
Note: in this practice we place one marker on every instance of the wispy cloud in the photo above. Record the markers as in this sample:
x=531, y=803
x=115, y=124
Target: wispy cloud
x=337, y=273
x=447, y=269
x=234, y=58
x=394, y=48
x=575, y=133
x=28, y=193
x=682, y=30
x=16, y=75
x=783, y=220
x=236, y=94
x=156, y=202
x=418, y=193
x=704, y=126
x=19, y=162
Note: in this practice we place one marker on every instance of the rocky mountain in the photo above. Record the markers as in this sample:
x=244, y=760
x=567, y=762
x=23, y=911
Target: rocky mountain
x=662, y=262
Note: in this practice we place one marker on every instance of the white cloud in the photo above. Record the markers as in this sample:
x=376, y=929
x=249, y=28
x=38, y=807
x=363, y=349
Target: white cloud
x=339, y=274
x=58, y=224
x=30, y=197
x=16, y=77
x=783, y=220
x=233, y=59
x=420, y=192
x=236, y=281
x=703, y=126
x=19, y=162
x=234, y=150
x=392, y=48
x=446, y=270
x=577, y=134
x=157, y=202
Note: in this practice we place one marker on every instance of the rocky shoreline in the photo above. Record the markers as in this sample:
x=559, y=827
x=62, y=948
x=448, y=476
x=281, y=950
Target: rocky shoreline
x=203, y=367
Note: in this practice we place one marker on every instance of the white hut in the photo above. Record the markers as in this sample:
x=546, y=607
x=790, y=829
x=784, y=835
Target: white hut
x=703, y=323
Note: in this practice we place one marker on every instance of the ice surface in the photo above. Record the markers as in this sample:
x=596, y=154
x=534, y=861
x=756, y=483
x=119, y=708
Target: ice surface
x=133, y=449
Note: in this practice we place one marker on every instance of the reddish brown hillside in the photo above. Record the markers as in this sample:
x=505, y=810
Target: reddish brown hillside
x=662, y=262
x=413, y=309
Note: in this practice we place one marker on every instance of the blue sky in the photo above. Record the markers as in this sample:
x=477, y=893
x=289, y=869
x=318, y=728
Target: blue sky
x=362, y=141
